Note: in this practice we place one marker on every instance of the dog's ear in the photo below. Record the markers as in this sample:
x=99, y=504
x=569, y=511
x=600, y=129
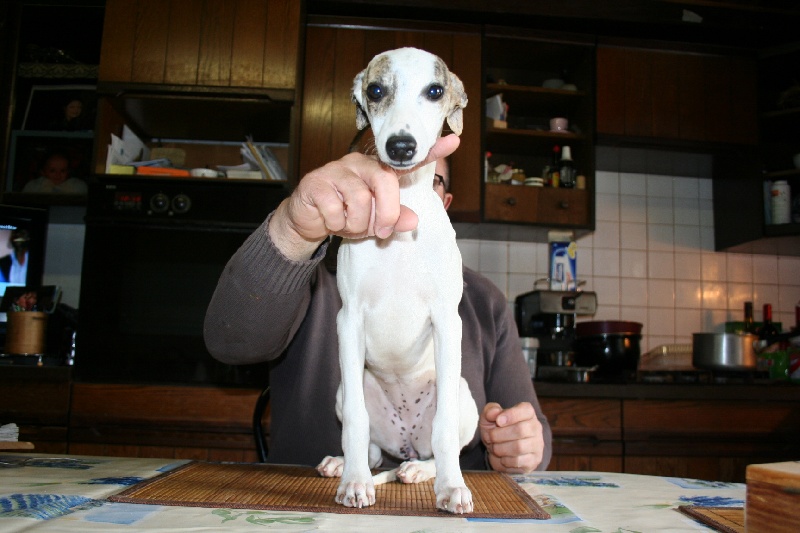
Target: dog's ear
x=457, y=102
x=356, y=94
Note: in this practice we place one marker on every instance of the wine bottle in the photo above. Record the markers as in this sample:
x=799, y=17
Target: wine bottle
x=555, y=173
x=768, y=330
x=748, y=318
x=567, y=169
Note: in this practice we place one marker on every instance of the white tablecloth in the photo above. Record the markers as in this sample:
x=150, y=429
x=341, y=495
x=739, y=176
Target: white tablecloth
x=67, y=493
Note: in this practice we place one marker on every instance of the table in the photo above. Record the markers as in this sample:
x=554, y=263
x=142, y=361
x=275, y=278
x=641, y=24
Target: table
x=68, y=493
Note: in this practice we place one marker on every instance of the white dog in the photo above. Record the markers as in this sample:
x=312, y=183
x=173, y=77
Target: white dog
x=399, y=328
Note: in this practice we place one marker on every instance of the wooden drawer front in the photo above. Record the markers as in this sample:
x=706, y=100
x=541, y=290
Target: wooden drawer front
x=729, y=428
x=508, y=203
x=34, y=398
x=201, y=407
x=584, y=418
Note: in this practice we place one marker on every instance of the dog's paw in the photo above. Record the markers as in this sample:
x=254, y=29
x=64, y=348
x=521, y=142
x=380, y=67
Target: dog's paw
x=331, y=466
x=416, y=471
x=356, y=494
x=456, y=500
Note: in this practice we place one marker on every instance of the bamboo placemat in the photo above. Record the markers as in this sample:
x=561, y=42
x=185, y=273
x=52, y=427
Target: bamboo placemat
x=725, y=519
x=299, y=488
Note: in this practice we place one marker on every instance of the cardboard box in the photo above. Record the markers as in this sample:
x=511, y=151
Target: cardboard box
x=773, y=498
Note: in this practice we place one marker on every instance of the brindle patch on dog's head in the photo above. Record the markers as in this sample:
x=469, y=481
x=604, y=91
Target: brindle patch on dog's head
x=408, y=93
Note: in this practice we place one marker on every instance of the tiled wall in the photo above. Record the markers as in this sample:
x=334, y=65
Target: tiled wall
x=652, y=260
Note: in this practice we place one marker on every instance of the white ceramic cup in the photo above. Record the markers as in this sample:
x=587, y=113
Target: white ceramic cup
x=559, y=124
x=204, y=173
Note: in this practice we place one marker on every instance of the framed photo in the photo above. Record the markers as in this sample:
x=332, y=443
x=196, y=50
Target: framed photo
x=49, y=162
x=61, y=108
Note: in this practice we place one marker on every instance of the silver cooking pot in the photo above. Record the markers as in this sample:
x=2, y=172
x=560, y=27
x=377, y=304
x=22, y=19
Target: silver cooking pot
x=724, y=351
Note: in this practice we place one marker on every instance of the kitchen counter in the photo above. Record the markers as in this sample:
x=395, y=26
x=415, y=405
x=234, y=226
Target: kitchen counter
x=772, y=391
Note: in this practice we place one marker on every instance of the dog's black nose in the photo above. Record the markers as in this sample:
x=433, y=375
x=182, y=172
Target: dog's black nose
x=401, y=148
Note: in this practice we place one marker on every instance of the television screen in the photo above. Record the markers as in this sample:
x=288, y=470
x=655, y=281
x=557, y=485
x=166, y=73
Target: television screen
x=23, y=235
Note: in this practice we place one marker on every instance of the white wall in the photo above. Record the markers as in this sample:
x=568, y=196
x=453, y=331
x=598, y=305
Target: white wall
x=652, y=260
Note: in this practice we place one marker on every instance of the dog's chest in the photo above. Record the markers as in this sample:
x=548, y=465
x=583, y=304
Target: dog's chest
x=401, y=416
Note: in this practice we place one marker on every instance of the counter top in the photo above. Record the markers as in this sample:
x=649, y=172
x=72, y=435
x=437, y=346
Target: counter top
x=782, y=391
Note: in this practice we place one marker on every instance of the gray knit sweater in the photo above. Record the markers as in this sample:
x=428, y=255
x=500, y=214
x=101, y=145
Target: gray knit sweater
x=268, y=308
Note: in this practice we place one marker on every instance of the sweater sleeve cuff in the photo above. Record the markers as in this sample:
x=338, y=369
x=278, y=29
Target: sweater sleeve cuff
x=273, y=270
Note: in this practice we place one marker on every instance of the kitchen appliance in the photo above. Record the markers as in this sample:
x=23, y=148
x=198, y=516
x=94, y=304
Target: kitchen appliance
x=610, y=345
x=549, y=316
x=153, y=252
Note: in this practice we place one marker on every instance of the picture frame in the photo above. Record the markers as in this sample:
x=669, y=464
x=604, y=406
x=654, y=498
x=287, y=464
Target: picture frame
x=30, y=150
x=61, y=108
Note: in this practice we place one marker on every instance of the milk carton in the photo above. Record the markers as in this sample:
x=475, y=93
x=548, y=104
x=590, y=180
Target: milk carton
x=563, y=265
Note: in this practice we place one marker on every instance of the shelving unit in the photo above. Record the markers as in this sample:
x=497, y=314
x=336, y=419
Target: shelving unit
x=779, y=103
x=516, y=65
x=740, y=179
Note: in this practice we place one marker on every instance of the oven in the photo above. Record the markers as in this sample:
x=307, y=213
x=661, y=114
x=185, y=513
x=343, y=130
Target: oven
x=153, y=253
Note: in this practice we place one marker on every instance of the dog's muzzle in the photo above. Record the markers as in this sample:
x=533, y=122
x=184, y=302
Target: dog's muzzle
x=401, y=148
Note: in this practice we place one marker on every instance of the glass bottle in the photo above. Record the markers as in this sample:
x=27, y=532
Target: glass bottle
x=748, y=318
x=555, y=174
x=567, y=168
x=768, y=329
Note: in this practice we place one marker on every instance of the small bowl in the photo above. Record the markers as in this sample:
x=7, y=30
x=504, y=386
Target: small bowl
x=569, y=87
x=553, y=83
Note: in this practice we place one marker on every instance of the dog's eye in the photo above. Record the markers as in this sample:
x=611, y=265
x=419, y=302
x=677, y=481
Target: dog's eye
x=435, y=92
x=374, y=92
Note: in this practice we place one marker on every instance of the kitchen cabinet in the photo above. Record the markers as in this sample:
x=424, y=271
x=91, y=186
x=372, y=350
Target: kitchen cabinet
x=689, y=98
x=700, y=431
x=37, y=399
x=742, y=218
x=587, y=435
x=50, y=56
x=201, y=423
x=200, y=77
x=207, y=43
x=517, y=64
x=339, y=48
x=707, y=439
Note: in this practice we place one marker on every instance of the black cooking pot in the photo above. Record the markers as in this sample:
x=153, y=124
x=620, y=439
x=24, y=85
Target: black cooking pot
x=612, y=346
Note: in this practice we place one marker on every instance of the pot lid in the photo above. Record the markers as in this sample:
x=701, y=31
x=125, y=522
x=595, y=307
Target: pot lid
x=604, y=327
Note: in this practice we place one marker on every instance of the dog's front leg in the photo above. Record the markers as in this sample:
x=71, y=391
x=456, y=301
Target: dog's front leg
x=356, y=488
x=452, y=493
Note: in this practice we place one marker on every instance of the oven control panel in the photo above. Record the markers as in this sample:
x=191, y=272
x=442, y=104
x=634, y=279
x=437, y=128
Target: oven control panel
x=183, y=201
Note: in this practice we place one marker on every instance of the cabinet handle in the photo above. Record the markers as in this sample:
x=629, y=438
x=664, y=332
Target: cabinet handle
x=511, y=201
x=563, y=204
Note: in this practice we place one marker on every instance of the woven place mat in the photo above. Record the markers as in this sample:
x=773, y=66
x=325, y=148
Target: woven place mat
x=299, y=488
x=725, y=519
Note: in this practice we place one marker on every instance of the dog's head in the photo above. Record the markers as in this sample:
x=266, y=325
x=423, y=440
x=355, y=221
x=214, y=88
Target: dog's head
x=406, y=95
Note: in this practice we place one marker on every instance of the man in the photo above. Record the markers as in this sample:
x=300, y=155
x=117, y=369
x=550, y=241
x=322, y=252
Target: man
x=277, y=300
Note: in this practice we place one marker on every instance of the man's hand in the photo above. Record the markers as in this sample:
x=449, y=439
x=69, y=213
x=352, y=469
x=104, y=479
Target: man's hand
x=354, y=197
x=513, y=437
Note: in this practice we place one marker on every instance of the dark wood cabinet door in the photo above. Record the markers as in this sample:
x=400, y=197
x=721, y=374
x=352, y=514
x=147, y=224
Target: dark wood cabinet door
x=217, y=43
x=338, y=49
x=587, y=434
x=676, y=96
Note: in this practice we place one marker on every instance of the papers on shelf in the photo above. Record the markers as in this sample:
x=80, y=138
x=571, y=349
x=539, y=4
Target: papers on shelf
x=125, y=150
x=9, y=432
x=129, y=155
x=258, y=156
